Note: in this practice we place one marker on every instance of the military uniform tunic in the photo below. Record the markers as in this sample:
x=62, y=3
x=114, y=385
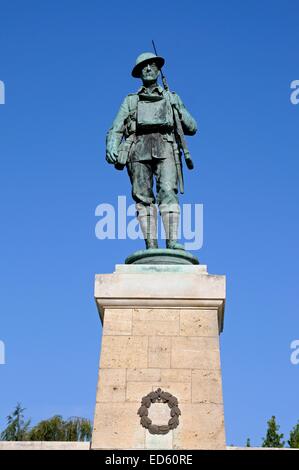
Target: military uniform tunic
x=145, y=121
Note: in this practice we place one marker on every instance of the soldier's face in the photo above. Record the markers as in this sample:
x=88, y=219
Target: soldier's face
x=150, y=72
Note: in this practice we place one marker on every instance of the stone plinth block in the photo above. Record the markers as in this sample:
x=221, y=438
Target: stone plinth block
x=161, y=327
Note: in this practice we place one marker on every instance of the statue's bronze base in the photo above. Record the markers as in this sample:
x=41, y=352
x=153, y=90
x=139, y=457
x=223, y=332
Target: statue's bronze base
x=161, y=256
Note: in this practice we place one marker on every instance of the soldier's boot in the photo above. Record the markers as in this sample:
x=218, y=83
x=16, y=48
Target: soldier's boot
x=147, y=217
x=171, y=227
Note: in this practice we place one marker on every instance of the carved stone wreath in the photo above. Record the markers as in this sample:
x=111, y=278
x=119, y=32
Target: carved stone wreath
x=159, y=397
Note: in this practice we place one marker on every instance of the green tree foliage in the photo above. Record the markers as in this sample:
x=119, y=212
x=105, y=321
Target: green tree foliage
x=294, y=437
x=273, y=438
x=57, y=429
x=248, y=442
x=52, y=429
x=17, y=427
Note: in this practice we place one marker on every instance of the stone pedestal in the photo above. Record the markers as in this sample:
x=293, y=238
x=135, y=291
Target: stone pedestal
x=161, y=328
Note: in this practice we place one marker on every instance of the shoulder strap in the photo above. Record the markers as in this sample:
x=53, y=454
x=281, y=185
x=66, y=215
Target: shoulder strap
x=170, y=96
x=133, y=102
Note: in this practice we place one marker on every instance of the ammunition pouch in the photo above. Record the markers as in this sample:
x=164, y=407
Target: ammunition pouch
x=130, y=124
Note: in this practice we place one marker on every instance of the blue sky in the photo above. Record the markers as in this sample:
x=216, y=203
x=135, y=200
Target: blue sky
x=66, y=68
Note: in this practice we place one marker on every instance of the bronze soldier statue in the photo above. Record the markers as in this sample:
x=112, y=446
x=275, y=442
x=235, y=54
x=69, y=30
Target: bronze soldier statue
x=144, y=137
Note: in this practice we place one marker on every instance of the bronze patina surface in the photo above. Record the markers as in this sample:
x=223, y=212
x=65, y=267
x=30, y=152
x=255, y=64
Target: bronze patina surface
x=147, y=137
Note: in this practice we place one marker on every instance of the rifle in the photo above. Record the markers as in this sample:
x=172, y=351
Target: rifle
x=180, y=137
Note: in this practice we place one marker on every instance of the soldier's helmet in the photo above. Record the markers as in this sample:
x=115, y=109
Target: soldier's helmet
x=143, y=59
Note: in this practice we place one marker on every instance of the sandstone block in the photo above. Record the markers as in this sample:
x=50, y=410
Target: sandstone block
x=159, y=352
x=124, y=352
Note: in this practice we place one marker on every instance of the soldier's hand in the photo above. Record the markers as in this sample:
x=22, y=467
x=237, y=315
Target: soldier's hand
x=189, y=163
x=111, y=157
